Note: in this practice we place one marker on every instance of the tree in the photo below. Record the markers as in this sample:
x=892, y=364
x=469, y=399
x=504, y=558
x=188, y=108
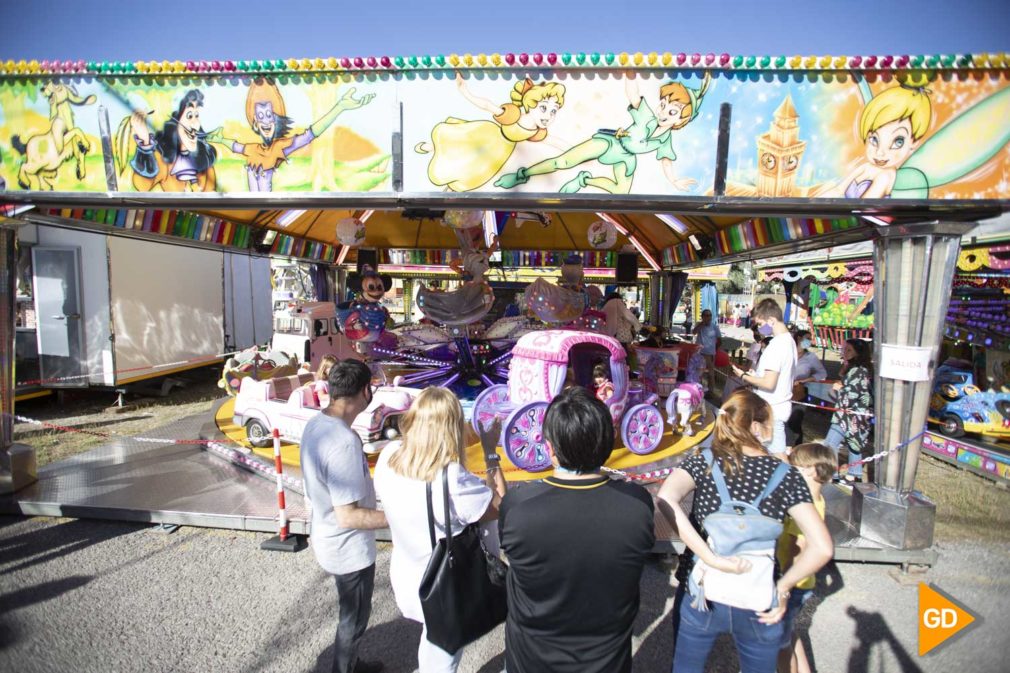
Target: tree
x=736, y=281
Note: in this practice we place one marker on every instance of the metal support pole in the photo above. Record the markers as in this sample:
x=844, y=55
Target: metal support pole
x=408, y=300
x=652, y=310
x=8, y=298
x=914, y=270
x=341, y=290
x=17, y=461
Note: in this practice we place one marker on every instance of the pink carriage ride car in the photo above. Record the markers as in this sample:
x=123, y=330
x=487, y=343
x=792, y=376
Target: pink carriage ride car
x=538, y=372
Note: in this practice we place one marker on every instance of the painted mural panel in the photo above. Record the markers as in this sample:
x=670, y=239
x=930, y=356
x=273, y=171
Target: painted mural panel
x=850, y=135
x=291, y=134
x=793, y=135
x=648, y=132
x=638, y=133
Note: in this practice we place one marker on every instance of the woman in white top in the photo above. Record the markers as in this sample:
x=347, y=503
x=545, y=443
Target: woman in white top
x=432, y=439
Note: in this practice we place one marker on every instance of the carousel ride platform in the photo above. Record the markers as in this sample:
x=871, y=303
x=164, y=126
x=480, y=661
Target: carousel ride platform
x=225, y=483
x=170, y=484
x=673, y=448
x=228, y=484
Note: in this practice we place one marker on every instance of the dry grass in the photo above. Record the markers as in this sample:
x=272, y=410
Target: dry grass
x=968, y=507
x=92, y=415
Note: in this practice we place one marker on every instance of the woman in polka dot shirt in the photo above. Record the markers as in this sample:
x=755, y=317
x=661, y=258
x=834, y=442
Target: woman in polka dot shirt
x=743, y=429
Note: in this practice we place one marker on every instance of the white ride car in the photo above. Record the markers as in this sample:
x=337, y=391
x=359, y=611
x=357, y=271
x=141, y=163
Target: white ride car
x=287, y=403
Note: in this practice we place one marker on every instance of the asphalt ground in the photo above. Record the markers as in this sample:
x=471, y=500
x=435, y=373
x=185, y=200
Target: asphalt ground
x=80, y=595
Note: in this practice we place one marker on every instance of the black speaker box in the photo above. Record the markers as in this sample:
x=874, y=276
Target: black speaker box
x=627, y=268
x=367, y=257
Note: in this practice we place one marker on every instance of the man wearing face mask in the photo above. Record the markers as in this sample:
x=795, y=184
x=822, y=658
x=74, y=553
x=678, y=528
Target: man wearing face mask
x=773, y=377
x=808, y=368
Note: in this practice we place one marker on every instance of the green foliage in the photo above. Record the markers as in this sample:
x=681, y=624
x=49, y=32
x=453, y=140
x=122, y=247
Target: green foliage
x=736, y=283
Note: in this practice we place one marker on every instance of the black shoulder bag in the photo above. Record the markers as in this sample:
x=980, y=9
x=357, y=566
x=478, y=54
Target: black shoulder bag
x=459, y=601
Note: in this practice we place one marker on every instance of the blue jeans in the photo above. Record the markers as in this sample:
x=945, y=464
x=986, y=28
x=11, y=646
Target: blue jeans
x=834, y=442
x=757, y=644
x=797, y=598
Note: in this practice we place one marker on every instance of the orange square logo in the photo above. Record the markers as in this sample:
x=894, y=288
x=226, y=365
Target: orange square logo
x=939, y=618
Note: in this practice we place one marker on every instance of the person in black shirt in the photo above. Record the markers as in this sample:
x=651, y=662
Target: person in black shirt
x=576, y=543
x=743, y=430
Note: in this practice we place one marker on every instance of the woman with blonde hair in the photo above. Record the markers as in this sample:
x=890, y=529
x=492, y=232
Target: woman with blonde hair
x=466, y=154
x=743, y=430
x=432, y=439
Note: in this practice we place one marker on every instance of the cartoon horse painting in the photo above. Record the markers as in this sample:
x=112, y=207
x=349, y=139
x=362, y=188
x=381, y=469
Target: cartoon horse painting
x=45, y=152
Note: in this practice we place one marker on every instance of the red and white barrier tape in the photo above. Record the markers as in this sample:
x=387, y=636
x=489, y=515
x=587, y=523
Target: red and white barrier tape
x=237, y=454
x=107, y=435
x=656, y=475
x=62, y=379
x=808, y=404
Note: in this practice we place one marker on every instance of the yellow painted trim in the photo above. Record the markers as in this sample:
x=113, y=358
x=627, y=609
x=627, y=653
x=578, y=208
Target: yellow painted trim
x=620, y=459
x=166, y=372
x=290, y=453
x=32, y=395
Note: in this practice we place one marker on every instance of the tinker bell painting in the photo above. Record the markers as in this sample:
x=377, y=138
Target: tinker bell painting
x=908, y=154
x=465, y=155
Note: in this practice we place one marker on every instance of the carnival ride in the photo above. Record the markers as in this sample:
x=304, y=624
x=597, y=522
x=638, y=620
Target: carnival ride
x=543, y=363
x=959, y=406
x=934, y=199
x=288, y=403
x=255, y=364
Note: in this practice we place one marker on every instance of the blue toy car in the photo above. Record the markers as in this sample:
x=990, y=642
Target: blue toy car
x=958, y=406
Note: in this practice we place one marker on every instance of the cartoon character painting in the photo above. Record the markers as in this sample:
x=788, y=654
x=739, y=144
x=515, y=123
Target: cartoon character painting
x=900, y=161
x=619, y=148
x=892, y=125
x=178, y=158
x=266, y=113
x=467, y=154
x=44, y=153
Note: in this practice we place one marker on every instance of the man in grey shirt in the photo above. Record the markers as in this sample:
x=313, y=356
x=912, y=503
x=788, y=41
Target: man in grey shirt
x=339, y=489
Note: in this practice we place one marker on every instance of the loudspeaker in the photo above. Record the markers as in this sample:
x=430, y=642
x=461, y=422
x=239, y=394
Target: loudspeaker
x=627, y=268
x=367, y=257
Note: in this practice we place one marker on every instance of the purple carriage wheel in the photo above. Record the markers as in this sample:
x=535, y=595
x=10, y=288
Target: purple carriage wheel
x=523, y=437
x=642, y=428
x=482, y=406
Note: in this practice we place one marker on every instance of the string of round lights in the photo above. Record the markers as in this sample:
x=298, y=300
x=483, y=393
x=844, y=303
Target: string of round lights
x=723, y=61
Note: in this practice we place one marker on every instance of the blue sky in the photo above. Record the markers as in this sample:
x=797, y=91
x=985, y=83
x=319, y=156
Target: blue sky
x=135, y=30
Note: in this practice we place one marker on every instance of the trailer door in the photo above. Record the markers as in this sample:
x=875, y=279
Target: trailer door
x=56, y=274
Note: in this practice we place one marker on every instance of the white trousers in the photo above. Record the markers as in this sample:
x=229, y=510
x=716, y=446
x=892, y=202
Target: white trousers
x=433, y=659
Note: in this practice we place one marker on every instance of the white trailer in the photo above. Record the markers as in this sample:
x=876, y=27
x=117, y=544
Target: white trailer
x=102, y=309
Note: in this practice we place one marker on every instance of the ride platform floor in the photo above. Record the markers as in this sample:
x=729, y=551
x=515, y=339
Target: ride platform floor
x=180, y=484
x=184, y=484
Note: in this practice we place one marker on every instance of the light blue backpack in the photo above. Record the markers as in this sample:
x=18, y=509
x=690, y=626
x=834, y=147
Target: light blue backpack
x=738, y=529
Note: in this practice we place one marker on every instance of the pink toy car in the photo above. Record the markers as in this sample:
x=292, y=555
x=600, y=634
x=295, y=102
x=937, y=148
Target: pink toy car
x=537, y=373
x=287, y=404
